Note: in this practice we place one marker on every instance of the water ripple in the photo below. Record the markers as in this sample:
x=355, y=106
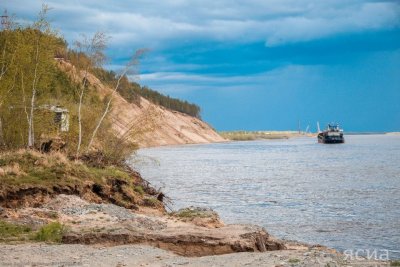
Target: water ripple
x=343, y=196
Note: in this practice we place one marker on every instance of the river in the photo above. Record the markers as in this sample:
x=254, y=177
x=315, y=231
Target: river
x=345, y=196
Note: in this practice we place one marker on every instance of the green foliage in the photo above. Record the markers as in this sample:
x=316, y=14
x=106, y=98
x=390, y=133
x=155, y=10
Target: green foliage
x=132, y=91
x=170, y=103
x=52, y=232
x=28, y=65
x=395, y=263
x=54, y=88
x=10, y=231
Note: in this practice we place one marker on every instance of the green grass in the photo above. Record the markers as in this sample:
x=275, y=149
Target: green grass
x=294, y=261
x=52, y=232
x=13, y=232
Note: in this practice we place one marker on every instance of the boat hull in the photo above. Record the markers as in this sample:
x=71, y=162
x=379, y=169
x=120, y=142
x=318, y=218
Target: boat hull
x=325, y=139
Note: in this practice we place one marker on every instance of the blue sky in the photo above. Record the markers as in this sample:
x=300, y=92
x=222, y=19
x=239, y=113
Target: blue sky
x=254, y=64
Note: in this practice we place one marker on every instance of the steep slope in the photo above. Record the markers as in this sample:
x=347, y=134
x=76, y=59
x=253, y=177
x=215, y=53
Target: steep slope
x=163, y=126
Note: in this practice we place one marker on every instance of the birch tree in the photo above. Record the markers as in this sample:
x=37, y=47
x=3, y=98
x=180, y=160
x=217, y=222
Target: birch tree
x=41, y=26
x=128, y=67
x=93, y=49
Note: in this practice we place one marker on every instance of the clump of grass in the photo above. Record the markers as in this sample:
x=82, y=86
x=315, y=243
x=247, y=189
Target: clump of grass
x=187, y=214
x=10, y=231
x=52, y=232
x=294, y=261
x=139, y=189
x=395, y=263
x=29, y=167
x=195, y=212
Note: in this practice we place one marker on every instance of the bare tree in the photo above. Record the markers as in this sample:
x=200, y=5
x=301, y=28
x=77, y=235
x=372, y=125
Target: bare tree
x=128, y=67
x=7, y=25
x=93, y=48
x=4, y=64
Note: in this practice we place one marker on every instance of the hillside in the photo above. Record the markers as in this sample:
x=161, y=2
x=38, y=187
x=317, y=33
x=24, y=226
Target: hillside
x=163, y=126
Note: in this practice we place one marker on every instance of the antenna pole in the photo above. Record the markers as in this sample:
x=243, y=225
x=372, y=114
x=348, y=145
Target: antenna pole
x=5, y=20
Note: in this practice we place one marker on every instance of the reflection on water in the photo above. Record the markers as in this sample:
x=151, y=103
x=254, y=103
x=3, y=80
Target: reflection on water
x=345, y=196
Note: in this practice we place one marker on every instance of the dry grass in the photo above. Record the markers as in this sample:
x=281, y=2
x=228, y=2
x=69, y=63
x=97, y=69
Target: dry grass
x=29, y=167
x=54, y=173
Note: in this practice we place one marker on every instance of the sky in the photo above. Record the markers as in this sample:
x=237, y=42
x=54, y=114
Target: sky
x=252, y=64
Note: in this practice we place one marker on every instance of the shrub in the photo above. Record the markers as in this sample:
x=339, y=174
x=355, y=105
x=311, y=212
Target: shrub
x=52, y=232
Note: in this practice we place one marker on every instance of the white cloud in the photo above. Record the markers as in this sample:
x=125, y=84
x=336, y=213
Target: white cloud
x=154, y=23
x=179, y=79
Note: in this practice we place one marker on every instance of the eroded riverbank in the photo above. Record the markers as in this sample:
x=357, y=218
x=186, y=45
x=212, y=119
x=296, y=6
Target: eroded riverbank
x=109, y=235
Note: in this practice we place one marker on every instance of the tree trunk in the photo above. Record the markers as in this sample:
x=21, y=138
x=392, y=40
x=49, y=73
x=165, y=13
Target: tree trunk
x=80, y=115
x=23, y=97
x=133, y=61
x=106, y=110
x=31, y=134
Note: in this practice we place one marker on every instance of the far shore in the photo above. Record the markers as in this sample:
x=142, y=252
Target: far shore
x=241, y=135
x=262, y=135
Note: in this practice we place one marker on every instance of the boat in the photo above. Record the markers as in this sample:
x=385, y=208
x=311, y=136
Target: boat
x=331, y=135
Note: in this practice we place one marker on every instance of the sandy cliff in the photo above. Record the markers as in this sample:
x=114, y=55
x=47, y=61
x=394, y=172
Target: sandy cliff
x=167, y=127
x=170, y=127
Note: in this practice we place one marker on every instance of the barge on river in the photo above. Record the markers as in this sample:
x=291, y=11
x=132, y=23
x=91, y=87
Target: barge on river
x=332, y=135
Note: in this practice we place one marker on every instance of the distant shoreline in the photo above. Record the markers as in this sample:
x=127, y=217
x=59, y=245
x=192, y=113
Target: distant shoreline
x=241, y=135
x=262, y=135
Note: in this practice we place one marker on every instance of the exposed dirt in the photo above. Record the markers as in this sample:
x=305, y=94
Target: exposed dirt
x=110, y=235
x=31, y=179
x=171, y=127
x=114, y=190
x=108, y=224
